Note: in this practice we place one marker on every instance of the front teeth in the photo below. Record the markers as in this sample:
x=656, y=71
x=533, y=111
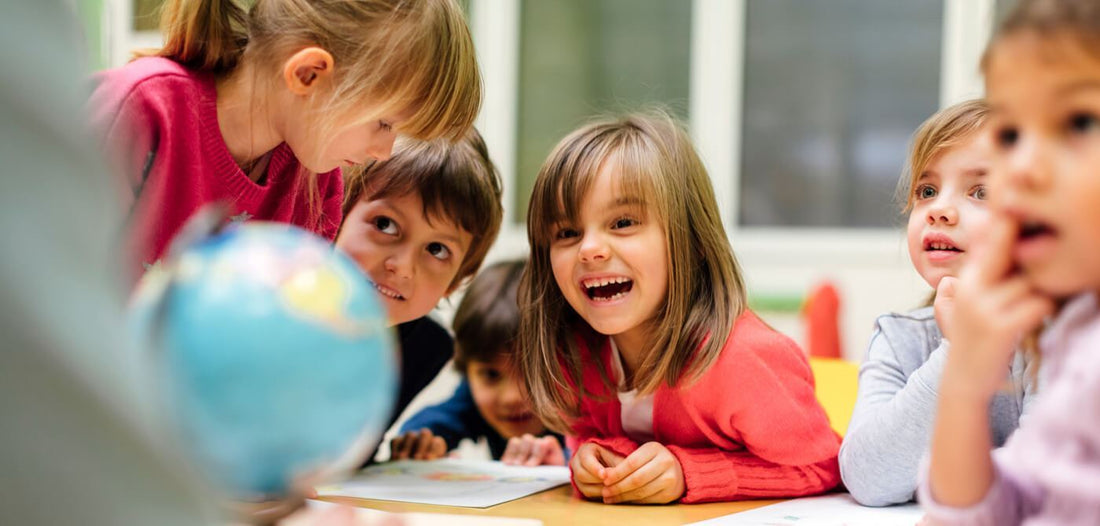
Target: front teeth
x=593, y=283
x=387, y=292
x=941, y=246
x=613, y=297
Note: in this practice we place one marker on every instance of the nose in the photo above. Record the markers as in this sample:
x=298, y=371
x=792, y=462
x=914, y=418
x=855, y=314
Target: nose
x=512, y=394
x=593, y=248
x=943, y=210
x=380, y=146
x=401, y=264
x=1027, y=167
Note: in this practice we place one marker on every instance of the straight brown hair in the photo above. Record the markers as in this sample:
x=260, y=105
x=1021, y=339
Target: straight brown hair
x=657, y=162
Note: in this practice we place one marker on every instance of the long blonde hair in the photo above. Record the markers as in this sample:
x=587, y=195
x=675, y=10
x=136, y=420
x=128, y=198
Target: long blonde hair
x=394, y=54
x=656, y=161
x=389, y=55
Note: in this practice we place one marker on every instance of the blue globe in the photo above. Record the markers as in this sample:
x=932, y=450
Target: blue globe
x=278, y=365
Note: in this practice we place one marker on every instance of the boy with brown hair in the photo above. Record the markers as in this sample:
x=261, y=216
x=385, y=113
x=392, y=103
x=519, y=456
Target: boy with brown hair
x=419, y=225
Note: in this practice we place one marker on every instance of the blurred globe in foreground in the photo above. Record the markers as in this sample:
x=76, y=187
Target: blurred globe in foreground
x=276, y=358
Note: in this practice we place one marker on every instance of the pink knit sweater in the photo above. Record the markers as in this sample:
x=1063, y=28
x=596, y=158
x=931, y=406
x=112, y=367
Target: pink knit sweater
x=159, y=120
x=1048, y=473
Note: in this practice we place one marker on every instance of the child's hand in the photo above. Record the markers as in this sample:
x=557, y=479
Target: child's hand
x=418, y=445
x=529, y=450
x=650, y=475
x=944, y=305
x=991, y=310
x=589, y=464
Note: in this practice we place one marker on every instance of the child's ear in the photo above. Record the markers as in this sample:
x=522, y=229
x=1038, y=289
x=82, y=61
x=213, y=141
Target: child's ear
x=306, y=69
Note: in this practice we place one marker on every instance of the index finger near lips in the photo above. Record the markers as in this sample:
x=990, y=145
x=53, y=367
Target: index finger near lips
x=993, y=253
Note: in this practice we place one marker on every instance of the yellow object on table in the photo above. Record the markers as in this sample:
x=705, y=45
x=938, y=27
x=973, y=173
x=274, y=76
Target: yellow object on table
x=836, y=383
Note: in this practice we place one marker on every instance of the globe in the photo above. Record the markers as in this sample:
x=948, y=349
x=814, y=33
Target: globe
x=273, y=349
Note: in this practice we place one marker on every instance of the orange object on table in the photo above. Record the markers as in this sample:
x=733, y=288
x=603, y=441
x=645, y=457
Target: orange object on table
x=821, y=314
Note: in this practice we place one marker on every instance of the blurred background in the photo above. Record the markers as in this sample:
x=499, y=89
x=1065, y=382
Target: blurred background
x=801, y=109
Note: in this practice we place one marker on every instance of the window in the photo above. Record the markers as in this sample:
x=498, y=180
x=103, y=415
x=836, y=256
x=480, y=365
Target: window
x=832, y=92
x=147, y=15
x=580, y=58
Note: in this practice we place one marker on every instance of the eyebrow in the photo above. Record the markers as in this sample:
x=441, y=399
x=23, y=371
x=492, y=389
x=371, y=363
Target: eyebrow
x=389, y=208
x=979, y=172
x=1081, y=85
x=453, y=240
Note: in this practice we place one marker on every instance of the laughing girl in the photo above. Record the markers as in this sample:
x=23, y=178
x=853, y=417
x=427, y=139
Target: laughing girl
x=636, y=339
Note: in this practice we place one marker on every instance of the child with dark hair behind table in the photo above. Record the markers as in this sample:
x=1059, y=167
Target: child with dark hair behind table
x=490, y=401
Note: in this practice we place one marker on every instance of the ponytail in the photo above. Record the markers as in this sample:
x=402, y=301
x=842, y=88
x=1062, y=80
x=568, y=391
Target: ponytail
x=207, y=35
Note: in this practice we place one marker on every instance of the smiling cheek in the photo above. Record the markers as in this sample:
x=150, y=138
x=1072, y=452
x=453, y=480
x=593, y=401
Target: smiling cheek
x=561, y=265
x=913, y=238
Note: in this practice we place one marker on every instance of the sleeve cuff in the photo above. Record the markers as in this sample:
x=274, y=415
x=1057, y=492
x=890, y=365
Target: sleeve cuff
x=980, y=513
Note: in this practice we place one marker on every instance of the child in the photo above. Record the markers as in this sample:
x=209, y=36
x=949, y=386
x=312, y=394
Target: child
x=490, y=401
x=420, y=224
x=892, y=423
x=1042, y=76
x=636, y=339
x=261, y=107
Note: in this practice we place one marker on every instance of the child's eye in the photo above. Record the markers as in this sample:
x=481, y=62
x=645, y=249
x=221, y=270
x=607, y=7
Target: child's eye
x=439, y=250
x=566, y=233
x=624, y=222
x=979, y=192
x=489, y=375
x=926, y=191
x=385, y=225
x=385, y=126
x=1007, y=136
x=1083, y=123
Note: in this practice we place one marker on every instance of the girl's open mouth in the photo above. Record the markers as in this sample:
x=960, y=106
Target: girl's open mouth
x=607, y=289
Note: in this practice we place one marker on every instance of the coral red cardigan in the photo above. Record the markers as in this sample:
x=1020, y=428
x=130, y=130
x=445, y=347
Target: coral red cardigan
x=749, y=427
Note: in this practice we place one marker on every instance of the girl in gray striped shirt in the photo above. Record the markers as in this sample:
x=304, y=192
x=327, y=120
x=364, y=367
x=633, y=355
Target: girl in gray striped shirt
x=944, y=194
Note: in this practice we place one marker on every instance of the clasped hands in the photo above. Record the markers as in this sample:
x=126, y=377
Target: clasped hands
x=649, y=475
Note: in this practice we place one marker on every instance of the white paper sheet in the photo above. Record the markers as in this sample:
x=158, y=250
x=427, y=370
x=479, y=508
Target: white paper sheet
x=449, y=482
x=829, y=510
